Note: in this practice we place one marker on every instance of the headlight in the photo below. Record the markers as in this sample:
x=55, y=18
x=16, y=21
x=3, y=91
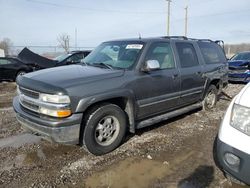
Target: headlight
x=58, y=99
x=55, y=113
x=240, y=118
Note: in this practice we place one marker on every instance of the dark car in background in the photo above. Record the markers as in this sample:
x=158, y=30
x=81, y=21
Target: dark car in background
x=72, y=57
x=239, y=66
x=40, y=62
x=11, y=67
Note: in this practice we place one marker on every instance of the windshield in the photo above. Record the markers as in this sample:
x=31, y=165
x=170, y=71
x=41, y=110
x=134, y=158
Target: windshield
x=115, y=54
x=242, y=56
x=61, y=57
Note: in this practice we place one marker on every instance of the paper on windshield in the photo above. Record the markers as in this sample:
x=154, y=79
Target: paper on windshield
x=134, y=46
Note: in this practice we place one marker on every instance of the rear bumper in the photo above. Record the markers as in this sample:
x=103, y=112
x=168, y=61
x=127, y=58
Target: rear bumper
x=241, y=171
x=65, y=131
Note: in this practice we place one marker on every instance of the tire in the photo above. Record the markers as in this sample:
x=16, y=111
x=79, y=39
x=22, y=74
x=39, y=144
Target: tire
x=105, y=129
x=20, y=73
x=211, y=98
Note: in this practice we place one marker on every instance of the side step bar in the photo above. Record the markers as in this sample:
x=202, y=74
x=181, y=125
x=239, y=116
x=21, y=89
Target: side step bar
x=168, y=115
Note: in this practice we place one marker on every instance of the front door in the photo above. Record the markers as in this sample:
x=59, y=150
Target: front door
x=158, y=91
x=6, y=69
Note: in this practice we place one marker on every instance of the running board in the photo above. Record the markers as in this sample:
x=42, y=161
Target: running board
x=168, y=115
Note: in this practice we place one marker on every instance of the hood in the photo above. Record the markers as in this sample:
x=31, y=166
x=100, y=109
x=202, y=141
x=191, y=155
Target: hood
x=243, y=97
x=238, y=63
x=31, y=58
x=61, y=78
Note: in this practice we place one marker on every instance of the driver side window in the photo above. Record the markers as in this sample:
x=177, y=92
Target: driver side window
x=76, y=58
x=162, y=52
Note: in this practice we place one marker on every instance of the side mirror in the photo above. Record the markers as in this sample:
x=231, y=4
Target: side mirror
x=151, y=65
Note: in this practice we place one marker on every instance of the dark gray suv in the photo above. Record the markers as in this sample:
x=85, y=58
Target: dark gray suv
x=121, y=85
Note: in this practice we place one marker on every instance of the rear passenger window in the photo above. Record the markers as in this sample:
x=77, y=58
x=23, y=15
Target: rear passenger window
x=211, y=52
x=5, y=62
x=187, y=55
x=162, y=52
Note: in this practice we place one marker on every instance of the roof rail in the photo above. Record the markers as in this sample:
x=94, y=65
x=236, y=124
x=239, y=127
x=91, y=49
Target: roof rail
x=175, y=37
x=219, y=42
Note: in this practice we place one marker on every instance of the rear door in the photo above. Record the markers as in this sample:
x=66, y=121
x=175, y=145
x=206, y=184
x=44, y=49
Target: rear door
x=192, y=81
x=158, y=91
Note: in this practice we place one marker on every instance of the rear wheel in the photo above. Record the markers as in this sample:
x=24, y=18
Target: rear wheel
x=105, y=128
x=211, y=98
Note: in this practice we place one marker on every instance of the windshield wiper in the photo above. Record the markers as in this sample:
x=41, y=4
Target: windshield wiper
x=83, y=62
x=102, y=65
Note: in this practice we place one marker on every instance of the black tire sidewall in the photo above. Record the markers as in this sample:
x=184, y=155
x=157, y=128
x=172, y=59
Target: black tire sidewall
x=215, y=91
x=93, y=120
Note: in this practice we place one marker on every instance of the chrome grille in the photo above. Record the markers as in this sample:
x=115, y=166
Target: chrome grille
x=237, y=71
x=29, y=99
x=29, y=93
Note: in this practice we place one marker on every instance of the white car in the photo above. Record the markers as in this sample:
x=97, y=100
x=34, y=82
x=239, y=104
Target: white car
x=233, y=143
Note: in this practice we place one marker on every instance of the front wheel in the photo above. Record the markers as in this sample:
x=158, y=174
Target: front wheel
x=211, y=98
x=105, y=128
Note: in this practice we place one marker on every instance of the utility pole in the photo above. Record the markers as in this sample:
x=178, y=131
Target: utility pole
x=168, y=18
x=75, y=38
x=186, y=20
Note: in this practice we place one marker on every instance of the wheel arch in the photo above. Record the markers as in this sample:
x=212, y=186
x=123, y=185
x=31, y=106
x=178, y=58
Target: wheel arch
x=216, y=82
x=125, y=101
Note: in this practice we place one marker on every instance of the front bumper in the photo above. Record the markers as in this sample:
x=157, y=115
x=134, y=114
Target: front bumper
x=241, y=77
x=65, y=130
x=240, y=172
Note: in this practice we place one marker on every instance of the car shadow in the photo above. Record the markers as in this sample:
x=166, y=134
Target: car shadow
x=201, y=177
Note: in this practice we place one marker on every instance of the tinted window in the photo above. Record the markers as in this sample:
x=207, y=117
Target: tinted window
x=76, y=58
x=162, y=52
x=4, y=62
x=118, y=54
x=187, y=54
x=211, y=52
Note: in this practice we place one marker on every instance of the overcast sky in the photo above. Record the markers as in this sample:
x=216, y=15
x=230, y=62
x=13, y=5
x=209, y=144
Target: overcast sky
x=39, y=22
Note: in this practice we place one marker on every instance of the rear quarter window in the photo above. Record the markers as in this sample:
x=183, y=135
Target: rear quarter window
x=212, y=53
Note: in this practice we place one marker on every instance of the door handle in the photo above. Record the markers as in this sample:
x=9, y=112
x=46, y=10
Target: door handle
x=175, y=76
x=198, y=73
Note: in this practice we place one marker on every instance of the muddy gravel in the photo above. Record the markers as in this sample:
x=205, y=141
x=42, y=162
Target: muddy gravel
x=174, y=153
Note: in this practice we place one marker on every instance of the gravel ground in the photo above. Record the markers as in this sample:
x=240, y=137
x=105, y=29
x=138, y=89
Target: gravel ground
x=174, y=153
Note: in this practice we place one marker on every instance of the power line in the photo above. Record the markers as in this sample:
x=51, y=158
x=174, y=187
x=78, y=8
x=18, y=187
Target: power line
x=95, y=10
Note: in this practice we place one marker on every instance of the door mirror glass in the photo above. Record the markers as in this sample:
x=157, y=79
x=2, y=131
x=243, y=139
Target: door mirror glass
x=152, y=65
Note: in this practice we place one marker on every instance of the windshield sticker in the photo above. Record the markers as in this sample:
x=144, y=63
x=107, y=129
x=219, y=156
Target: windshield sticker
x=134, y=46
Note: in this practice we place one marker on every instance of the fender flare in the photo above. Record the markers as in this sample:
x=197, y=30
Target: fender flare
x=130, y=108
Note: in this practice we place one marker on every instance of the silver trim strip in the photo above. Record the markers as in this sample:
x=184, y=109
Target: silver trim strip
x=39, y=103
x=156, y=102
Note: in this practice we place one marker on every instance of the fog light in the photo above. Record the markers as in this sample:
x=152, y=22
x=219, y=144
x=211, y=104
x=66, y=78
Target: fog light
x=232, y=159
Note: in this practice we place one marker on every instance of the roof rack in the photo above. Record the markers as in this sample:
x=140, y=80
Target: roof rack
x=186, y=38
x=175, y=37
